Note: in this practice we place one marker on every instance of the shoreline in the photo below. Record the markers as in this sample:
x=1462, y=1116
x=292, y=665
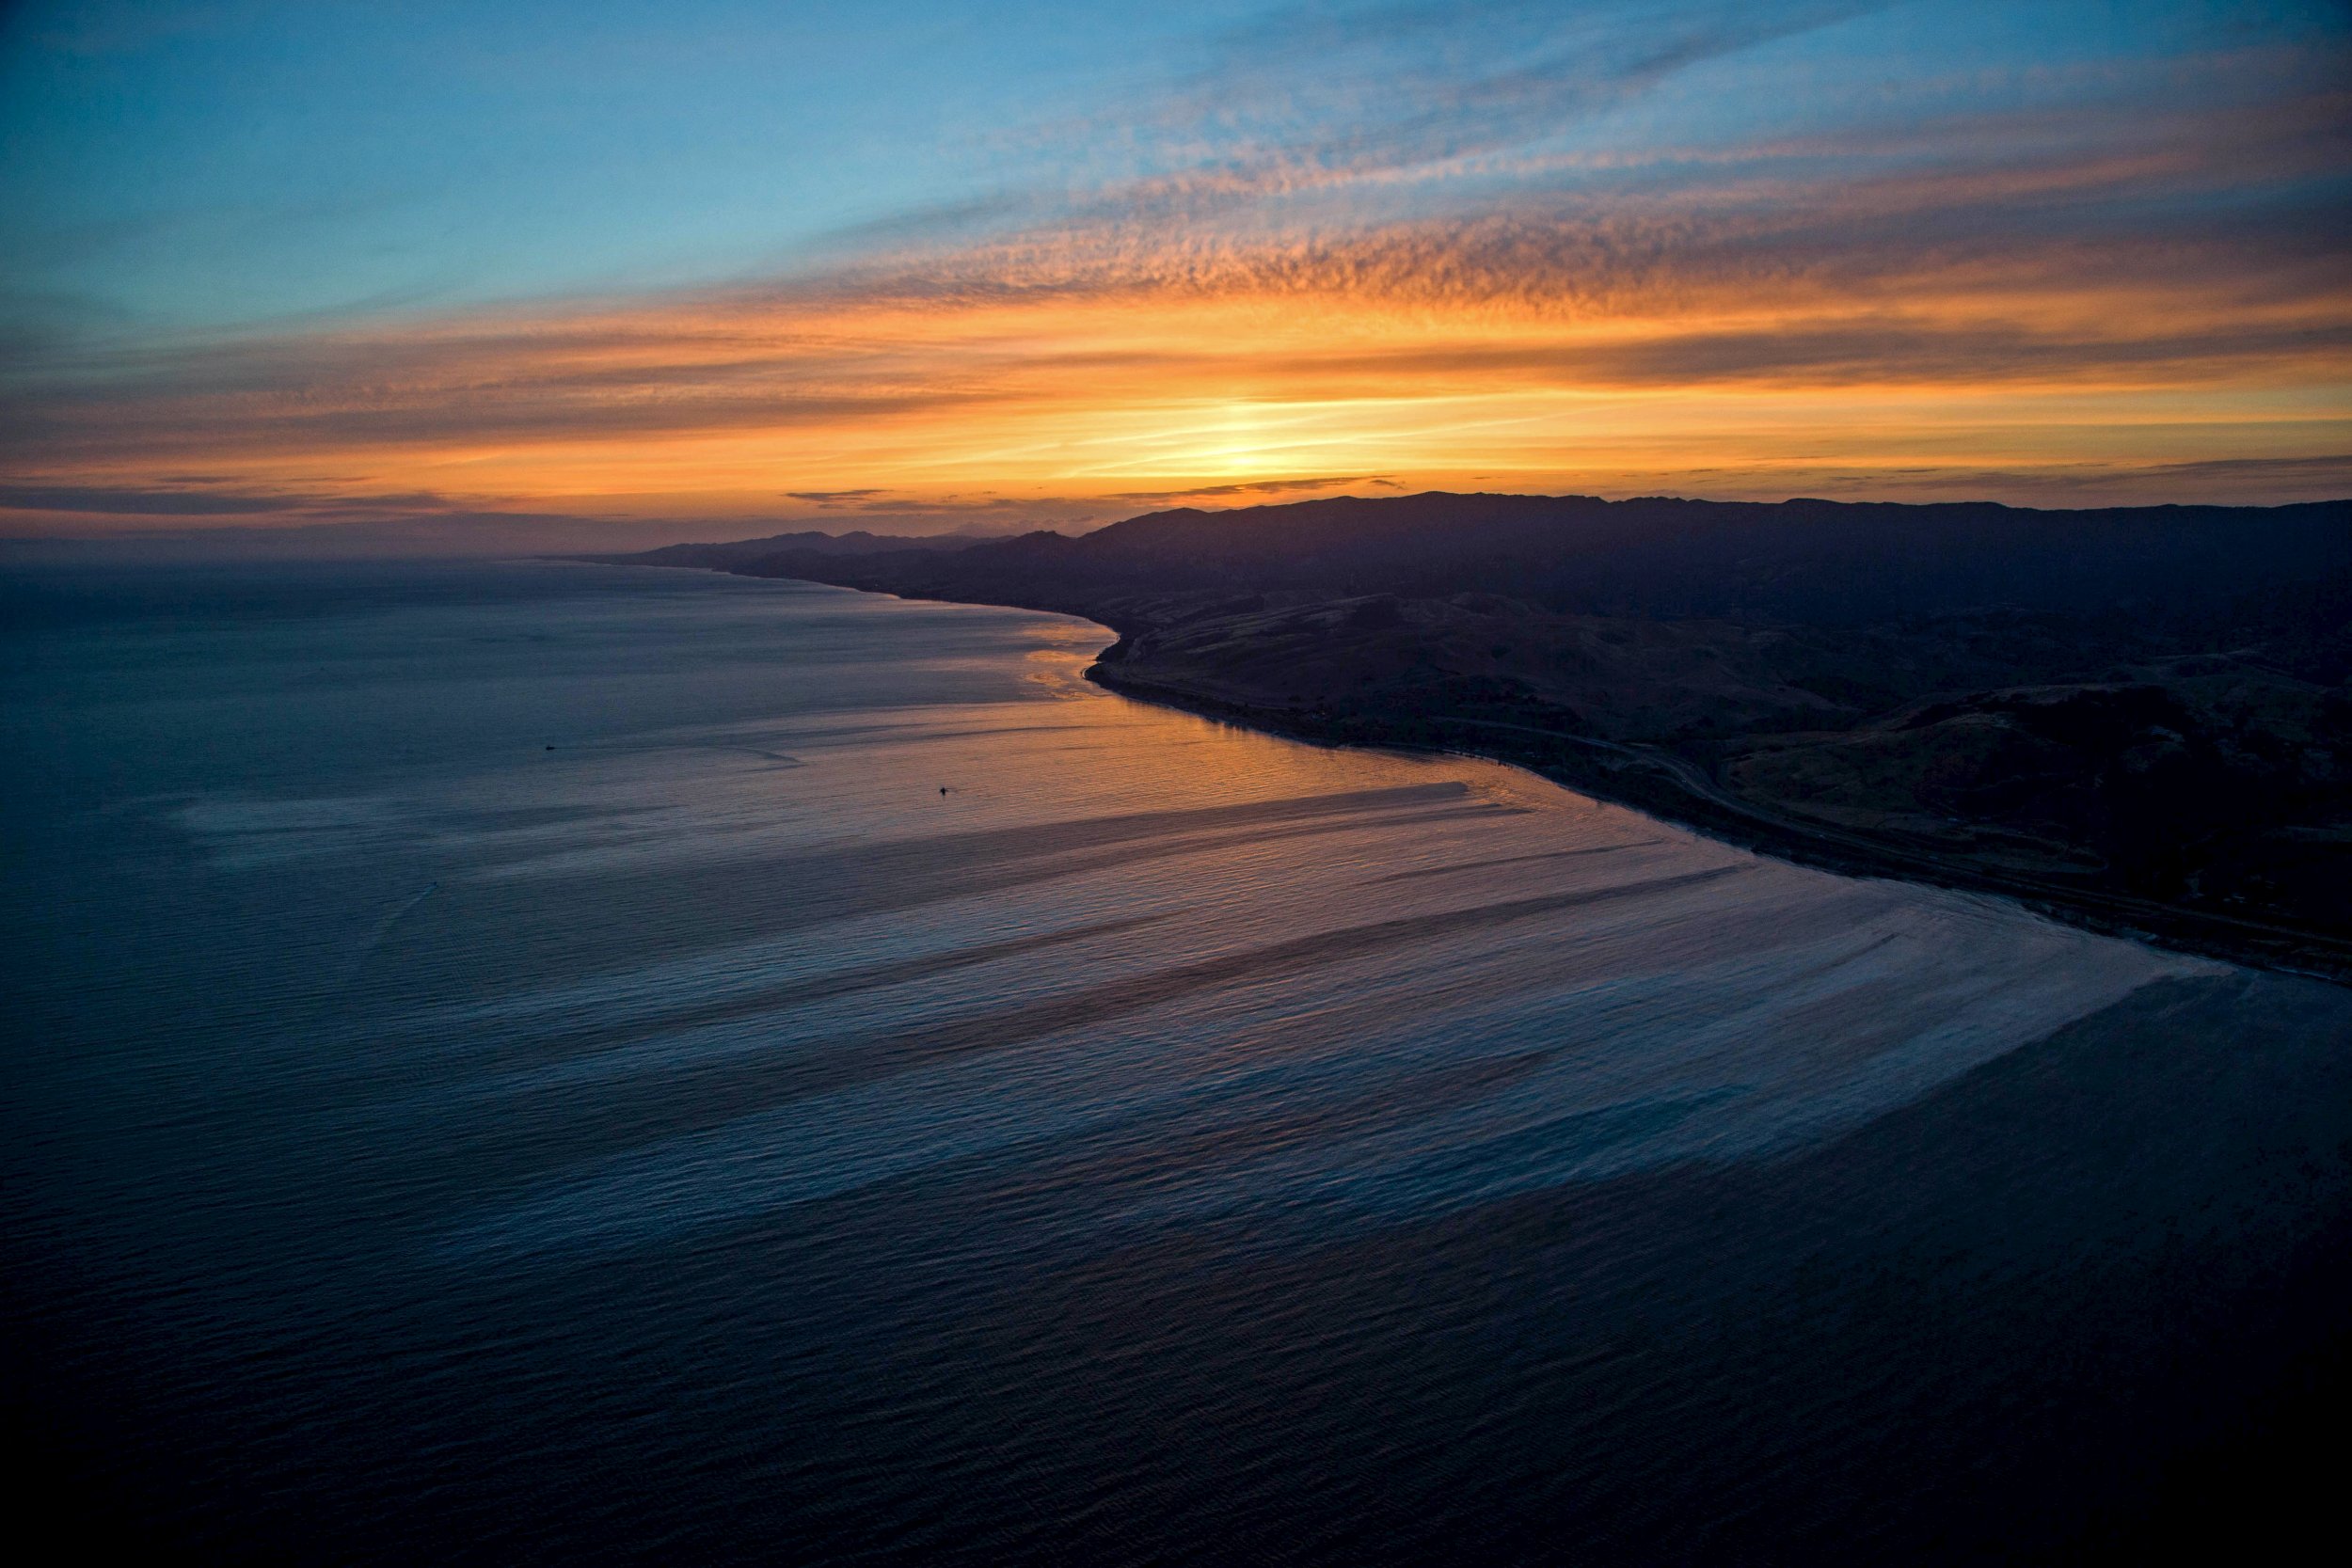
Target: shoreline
x=1670, y=788
x=1657, y=786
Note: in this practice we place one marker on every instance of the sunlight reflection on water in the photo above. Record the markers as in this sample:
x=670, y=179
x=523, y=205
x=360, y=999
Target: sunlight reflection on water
x=692, y=973
x=466, y=1065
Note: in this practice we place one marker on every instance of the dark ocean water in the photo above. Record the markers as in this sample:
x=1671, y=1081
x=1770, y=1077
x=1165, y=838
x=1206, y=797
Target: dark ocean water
x=524, y=1063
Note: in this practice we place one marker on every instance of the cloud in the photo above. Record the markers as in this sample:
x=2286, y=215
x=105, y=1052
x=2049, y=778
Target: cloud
x=1566, y=302
x=2225, y=481
x=132, y=501
x=1316, y=96
x=2333, y=472
x=167, y=499
x=1253, y=488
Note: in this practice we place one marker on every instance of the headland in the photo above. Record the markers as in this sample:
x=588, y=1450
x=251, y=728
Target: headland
x=2137, y=719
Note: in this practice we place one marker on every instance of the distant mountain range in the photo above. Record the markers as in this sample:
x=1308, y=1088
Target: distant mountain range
x=727, y=557
x=2138, y=715
x=1805, y=560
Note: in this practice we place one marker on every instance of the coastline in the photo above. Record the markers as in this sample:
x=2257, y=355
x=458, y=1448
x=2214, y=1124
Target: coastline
x=1658, y=783
x=1660, y=786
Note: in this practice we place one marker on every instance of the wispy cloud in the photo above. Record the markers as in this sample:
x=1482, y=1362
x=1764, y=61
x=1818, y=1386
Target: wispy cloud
x=133, y=500
x=1311, y=97
x=1258, y=487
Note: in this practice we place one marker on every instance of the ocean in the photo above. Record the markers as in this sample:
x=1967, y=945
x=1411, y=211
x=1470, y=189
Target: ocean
x=530, y=1061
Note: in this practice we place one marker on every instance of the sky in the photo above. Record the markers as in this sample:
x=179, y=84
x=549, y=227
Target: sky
x=464, y=275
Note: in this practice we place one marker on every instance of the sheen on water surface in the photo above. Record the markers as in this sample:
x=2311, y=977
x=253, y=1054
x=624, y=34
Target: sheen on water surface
x=798, y=1075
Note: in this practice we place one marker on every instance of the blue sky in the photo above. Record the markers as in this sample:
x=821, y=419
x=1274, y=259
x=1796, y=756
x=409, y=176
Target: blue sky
x=207, y=164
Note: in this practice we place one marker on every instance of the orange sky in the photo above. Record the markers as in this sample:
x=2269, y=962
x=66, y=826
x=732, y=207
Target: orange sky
x=1119, y=399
